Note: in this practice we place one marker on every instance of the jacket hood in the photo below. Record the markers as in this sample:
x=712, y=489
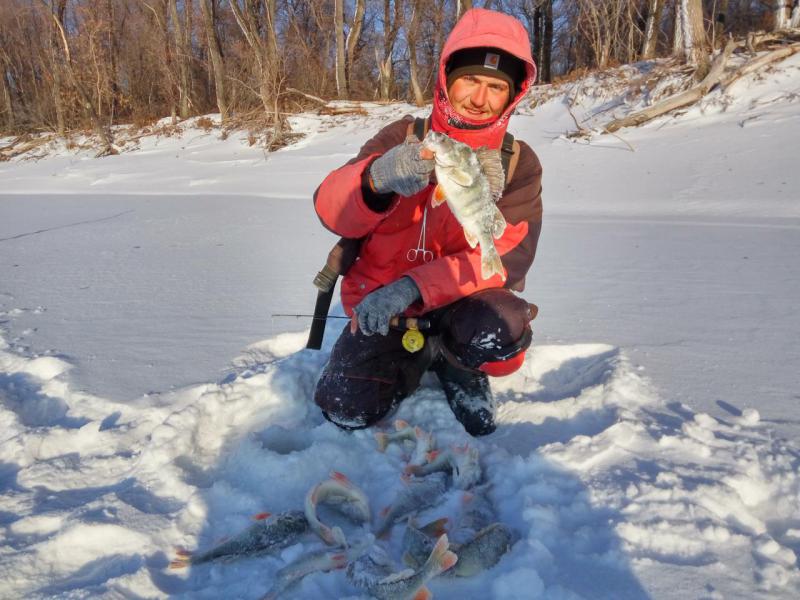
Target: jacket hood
x=481, y=28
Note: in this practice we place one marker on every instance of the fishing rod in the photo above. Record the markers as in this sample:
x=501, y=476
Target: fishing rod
x=396, y=322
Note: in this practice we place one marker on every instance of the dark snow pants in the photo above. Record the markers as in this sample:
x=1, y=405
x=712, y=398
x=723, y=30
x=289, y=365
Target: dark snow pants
x=367, y=376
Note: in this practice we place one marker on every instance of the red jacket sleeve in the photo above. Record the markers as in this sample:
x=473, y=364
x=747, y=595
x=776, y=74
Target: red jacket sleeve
x=339, y=200
x=457, y=275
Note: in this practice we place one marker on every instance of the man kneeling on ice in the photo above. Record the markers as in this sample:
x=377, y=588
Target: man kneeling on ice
x=414, y=259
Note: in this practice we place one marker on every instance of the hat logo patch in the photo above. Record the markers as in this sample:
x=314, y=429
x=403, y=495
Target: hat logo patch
x=492, y=60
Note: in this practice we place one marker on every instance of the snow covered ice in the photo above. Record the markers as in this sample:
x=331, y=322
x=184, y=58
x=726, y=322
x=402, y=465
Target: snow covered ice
x=647, y=449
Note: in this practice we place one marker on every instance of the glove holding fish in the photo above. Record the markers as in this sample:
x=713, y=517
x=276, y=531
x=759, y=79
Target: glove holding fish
x=471, y=181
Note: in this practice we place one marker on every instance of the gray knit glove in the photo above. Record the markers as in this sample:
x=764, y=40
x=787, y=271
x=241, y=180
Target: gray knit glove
x=401, y=170
x=376, y=310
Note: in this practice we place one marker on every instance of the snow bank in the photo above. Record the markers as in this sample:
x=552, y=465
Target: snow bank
x=602, y=481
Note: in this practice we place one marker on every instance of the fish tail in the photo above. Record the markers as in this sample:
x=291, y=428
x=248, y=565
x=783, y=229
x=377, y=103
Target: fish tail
x=383, y=441
x=491, y=264
x=440, y=558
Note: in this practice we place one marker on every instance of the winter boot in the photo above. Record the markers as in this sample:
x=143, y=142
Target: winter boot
x=469, y=396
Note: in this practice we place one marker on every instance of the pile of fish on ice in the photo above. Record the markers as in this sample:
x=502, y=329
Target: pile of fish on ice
x=470, y=544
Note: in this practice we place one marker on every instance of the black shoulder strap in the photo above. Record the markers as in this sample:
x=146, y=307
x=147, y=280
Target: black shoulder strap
x=507, y=151
x=420, y=128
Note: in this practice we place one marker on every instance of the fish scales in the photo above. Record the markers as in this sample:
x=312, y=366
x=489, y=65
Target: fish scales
x=375, y=572
x=317, y=561
x=471, y=182
x=416, y=495
x=264, y=536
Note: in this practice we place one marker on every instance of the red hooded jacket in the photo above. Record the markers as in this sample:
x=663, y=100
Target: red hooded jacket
x=391, y=232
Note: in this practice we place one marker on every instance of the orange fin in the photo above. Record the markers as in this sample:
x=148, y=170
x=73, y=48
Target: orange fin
x=341, y=478
x=435, y=528
x=423, y=594
x=383, y=441
x=448, y=560
x=438, y=196
x=262, y=516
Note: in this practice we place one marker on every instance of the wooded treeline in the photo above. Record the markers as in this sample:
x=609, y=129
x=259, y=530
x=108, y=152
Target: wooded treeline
x=75, y=64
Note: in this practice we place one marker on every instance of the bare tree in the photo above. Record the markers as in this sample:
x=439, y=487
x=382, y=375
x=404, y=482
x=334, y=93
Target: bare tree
x=391, y=25
x=208, y=9
x=353, y=35
x=7, y=106
x=100, y=130
x=720, y=20
x=602, y=24
x=677, y=38
x=544, y=47
x=412, y=32
x=183, y=54
x=780, y=11
x=693, y=33
x=652, y=28
x=338, y=28
x=260, y=32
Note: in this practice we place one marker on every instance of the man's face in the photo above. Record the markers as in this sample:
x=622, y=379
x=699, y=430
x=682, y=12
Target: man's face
x=479, y=97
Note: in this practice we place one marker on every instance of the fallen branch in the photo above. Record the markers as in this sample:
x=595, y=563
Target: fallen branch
x=21, y=145
x=342, y=110
x=308, y=96
x=680, y=100
x=760, y=62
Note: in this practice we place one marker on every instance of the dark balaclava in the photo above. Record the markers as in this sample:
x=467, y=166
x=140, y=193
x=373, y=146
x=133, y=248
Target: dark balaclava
x=487, y=61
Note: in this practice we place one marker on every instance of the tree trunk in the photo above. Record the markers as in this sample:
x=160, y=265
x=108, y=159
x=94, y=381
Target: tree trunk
x=780, y=11
x=113, y=46
x=182, y=54
x=8, y=107
x=677, y=37
x=262, y=40
x=795, y=20
x=695, y=50
x=547, y=44
x=411, y=38
x=352, y=41
x=651, y=28
x=462, y=6
x=720, y=23
x=391, y=24
x=215, y=50
x=58, y=11
x=338, y=27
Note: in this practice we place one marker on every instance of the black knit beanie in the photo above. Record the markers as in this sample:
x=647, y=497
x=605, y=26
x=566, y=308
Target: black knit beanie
x=486, y=61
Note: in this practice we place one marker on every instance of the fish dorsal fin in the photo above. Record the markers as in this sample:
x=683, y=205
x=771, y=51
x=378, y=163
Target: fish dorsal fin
x=492, y=165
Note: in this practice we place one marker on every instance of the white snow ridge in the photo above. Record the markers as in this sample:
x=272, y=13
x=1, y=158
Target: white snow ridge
x=606, y=484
